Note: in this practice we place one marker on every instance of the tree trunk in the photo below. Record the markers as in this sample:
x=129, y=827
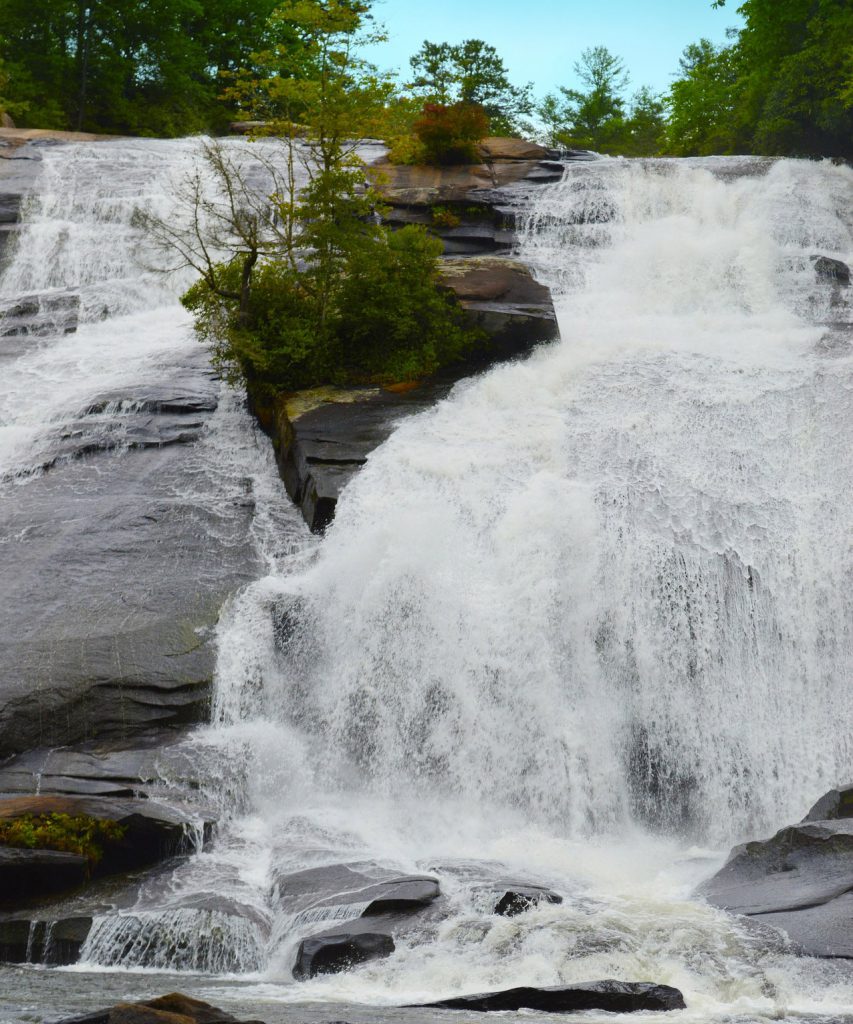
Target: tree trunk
x=84, y=18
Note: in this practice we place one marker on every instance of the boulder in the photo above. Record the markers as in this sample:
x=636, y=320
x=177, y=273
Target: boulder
x=497, y=148
x=338, y=950
x=516, y=899
x=801, y=866
x=799, y=881
x=174, y=1008
x=610, y=996
x=837, y=803
x=6, y=120
x=334, y=887
x=829, y=269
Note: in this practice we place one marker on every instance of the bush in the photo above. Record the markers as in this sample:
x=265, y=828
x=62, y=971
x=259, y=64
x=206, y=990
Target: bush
x=443, y=217
x=82, y=835
x=388, y=319
x=395, y=323
x=278, y=340
x=449, y=135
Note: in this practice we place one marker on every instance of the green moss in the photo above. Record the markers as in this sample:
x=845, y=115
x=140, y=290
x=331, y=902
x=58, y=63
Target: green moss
x=442, y=217
x=78, y=834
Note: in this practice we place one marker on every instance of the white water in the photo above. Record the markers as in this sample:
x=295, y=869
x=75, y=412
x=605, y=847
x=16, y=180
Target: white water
x=583, y=620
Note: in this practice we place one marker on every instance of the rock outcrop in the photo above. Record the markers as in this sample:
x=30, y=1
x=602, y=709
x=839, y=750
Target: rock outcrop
x=800, y=880
x=152, y=832
x=368, y=904
x=610, y=996
x=829, y=269
x=513, y=899
x=174, y=1008
x=322, y=437
x=337, y=950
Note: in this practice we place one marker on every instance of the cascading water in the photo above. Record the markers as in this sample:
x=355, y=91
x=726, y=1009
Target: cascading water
x=609, y=583
x=582, y=620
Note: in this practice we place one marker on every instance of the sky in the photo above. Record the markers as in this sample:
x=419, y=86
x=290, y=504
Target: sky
x=539, y=40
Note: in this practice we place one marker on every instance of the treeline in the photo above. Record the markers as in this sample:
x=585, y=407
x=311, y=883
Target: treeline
x=150, y=68
x=783, y=84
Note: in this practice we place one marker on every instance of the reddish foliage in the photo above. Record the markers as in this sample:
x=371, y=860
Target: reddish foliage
x=450, y=135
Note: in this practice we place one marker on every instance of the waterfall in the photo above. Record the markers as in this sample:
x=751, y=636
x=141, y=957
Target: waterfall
x=609, y=584
x=584, y=624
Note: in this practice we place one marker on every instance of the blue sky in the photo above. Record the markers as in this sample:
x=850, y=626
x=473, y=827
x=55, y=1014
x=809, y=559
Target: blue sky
x=540, y=40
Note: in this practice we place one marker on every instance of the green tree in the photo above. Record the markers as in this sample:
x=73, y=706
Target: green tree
x=472, y=73
x=783, y=86
x=702, y=102
x=645, y=126
x=307, y=287
x=593, y=118
x=146, y=68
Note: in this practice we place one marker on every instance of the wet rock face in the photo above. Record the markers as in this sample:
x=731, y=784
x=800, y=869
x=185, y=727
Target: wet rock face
x=837, y=803
x=54, y=943
x=610, y=996
x=114, y=577
x=152, y=832
x=337, y=951
x=800, y=880
x=828, y=269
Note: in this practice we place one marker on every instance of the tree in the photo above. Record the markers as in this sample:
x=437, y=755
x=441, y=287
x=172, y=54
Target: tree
x=472, y=73
x=7, y=106
x=783, y=86
x=595, y=118
x=290, y=268
x=645, y=126
x=702, y=102
x=144, y=68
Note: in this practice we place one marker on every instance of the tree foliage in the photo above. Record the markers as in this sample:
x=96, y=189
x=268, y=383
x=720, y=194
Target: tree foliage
x=782, y=87
x=598, y=117
x=449, y=135
x=140, y=68
x=472, y=73
x=298, y=282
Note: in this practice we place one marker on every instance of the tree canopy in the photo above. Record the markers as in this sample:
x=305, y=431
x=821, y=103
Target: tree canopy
x=140, y=68
x=599, y=117
x=472, y=73
x=783, y=86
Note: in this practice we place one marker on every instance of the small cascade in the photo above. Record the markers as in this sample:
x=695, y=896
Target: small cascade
x=185, y=939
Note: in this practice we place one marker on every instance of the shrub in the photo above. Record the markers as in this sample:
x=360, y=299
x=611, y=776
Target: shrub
x=82, y=835
x=442, y=217
x=407, y=149
x=388, y=319
x=449, y=134
x=395, y=323
x=279, y=340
